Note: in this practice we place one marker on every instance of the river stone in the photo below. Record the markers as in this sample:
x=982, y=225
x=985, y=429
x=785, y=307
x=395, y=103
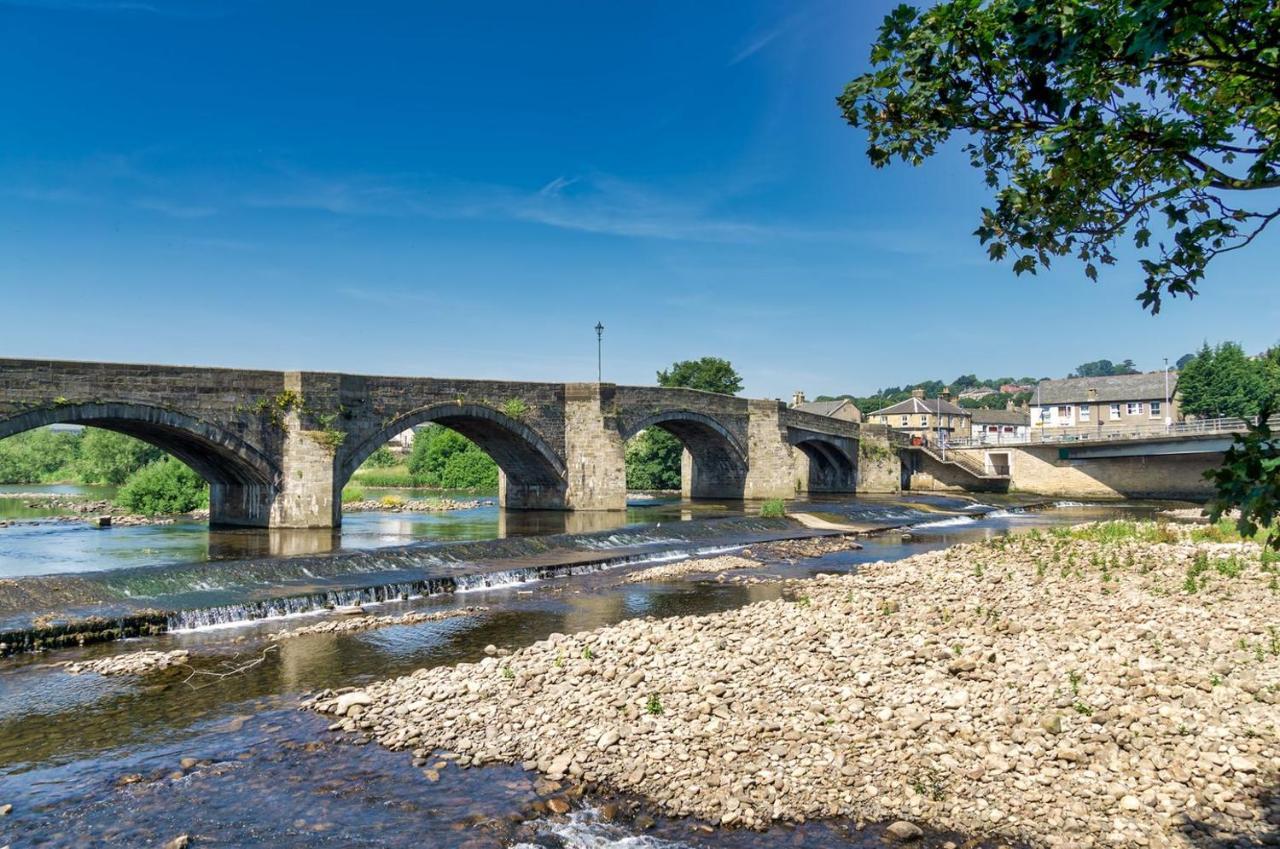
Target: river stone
x=608, y=738
x=903, y=830
x=349, y=700
x=558, y=805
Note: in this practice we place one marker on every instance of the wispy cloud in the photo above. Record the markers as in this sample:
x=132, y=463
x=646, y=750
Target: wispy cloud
x=762, y=39
x=174, y=210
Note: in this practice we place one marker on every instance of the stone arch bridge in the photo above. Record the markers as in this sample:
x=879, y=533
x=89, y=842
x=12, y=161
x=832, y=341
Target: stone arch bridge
x=277, y=447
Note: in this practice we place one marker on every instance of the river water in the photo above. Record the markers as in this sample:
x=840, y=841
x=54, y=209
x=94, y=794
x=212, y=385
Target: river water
x=98, y=761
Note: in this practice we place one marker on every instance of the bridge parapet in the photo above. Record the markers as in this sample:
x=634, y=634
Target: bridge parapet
x=277, y=447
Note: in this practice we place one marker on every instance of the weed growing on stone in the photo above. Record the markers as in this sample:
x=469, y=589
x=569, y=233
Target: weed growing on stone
x=653, y=707
x=587, y=653
x=508, y=673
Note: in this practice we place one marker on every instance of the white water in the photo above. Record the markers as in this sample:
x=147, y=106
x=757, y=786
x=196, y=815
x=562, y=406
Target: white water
x=584, y=830
x=946, y=523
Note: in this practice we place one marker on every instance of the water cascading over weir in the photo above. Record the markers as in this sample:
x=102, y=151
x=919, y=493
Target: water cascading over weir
x=277, y=447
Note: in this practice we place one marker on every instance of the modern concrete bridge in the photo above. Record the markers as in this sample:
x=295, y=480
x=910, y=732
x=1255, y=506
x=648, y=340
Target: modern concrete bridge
x=277, y=447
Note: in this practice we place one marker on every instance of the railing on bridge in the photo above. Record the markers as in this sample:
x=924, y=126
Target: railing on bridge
x=1038, y=436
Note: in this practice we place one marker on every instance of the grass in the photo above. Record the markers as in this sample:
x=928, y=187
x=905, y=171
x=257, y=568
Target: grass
x=352, y=493
x=774, y=508
x=1120, y=530
x=388, y=476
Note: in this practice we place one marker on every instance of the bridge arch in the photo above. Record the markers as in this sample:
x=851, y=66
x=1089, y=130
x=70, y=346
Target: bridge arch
x=532, y=473
x=715, y=461
x=243, y=480
x=832, y=467
x=217, y=455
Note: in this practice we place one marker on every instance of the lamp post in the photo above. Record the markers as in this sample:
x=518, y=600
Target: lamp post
x=599, y=345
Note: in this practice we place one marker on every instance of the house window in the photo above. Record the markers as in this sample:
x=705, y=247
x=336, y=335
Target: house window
x=1155, y=409
x=906, y=421
x=1134, y=408
x=1115, y=411
x=1084, y=412
x=924, y=421
x=1008, y=428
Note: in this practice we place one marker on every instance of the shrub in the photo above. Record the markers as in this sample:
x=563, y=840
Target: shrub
x=383, y=458
x=774, y=508
x=38, y=456
x=352, y=493
x=653, y=460
x=110, y=458
x=163, y=487
x=445, y=458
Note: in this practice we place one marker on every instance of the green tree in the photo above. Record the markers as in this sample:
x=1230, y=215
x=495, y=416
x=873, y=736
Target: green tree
x=470, y=469
x=163, y=487
x=1222, y=381
x=382, y=458
x=445, y=458
x=39, y=456
x=107, y=457
x=1092, y=122
x=653, y=457
x=1104, y=368
x=1249, y=479
x=653, y=460
x=710, y=374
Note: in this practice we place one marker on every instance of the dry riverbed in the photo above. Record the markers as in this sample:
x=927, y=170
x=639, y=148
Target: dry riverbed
x=1049, y=688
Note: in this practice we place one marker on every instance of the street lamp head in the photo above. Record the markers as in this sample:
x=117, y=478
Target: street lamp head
x=599, y=329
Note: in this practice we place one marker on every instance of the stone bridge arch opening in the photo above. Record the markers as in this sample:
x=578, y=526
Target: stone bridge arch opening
x=826, y=464
x=713, y=462
x=531, y=474
x=242, y=480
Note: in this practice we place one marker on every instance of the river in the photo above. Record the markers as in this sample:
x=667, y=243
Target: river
x=99, y=761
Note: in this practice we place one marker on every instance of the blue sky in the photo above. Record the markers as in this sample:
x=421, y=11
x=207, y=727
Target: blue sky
x=465, y=189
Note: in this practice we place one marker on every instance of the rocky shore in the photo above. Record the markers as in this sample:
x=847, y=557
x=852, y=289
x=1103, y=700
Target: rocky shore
x=1052, y=688
x=685, y=568
x=413, y=505
x=82, y=509
x=133, y=663
x=365, y=622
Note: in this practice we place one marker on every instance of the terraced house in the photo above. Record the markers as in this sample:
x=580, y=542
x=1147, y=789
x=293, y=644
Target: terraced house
x=925, y=416
x=1103, y=406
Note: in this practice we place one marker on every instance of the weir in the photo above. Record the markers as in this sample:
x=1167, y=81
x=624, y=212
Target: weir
x=277, y=447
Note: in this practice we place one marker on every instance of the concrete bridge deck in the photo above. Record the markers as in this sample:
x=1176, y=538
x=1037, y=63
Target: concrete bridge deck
x=278, y=446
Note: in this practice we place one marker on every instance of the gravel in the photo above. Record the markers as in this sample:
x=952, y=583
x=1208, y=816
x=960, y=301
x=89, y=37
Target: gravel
x=1067, y=692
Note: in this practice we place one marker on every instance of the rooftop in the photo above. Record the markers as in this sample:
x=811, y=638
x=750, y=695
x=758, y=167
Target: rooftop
x=915, y=405
x=1001, y=417
x=1149, y=386
x=823, y=408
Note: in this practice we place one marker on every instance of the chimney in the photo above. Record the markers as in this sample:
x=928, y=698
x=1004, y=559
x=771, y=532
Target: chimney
x=1093, y=394
x=798, y=398
x=917, y=393
x=945, y=395
x=1008, y=406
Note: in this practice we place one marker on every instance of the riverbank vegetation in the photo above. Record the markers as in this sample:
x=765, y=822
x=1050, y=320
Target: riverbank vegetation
x=151, y=483
x=439, y=459
x=84, y=456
